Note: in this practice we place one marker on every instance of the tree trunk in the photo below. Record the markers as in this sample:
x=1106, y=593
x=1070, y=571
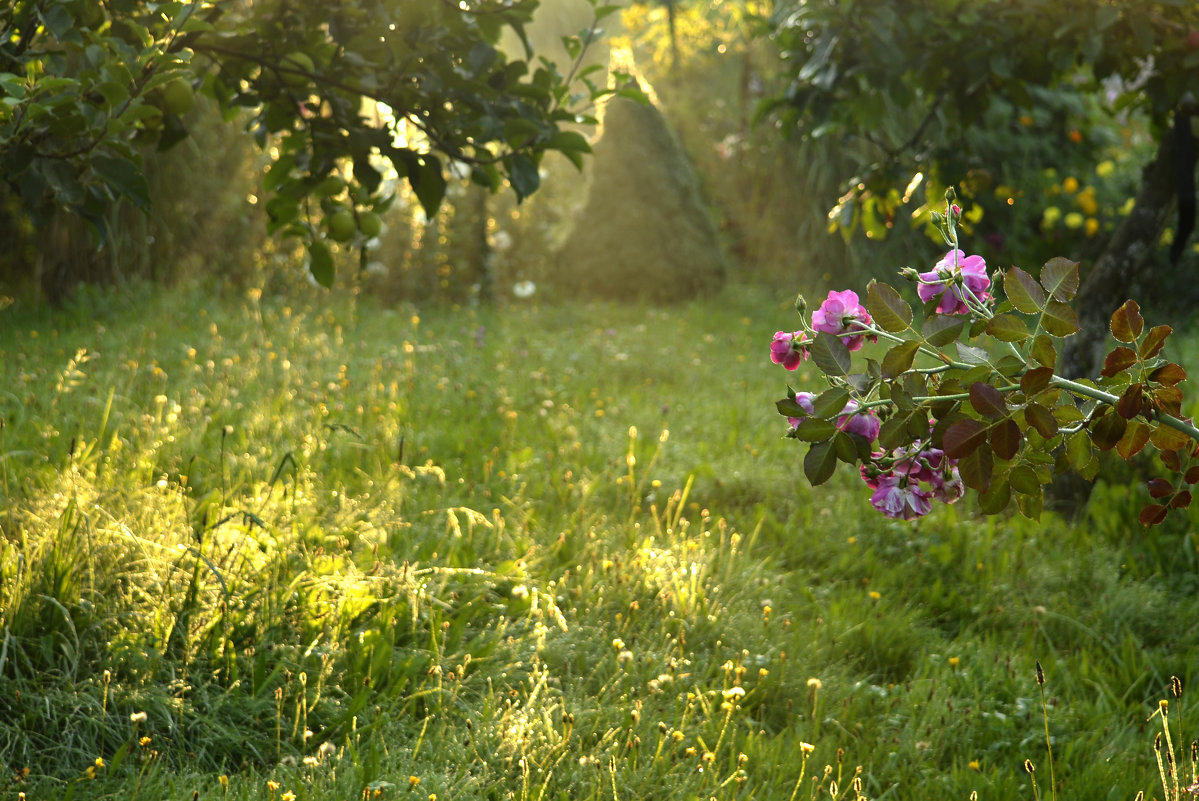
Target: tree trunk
x=1125, y=262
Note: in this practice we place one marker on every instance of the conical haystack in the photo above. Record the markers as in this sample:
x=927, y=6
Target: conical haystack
x=644, y=232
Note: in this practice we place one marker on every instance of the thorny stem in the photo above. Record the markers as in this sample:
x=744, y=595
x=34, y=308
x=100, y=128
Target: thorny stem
x=1106, y=397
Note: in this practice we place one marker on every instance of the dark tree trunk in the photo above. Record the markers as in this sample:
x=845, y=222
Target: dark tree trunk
x=674, y=36
x=1124, y=263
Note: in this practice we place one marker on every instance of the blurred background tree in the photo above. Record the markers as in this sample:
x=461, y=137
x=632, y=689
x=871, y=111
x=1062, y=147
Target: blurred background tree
x=1045, y=112
x=338, y=97
x=798, y=119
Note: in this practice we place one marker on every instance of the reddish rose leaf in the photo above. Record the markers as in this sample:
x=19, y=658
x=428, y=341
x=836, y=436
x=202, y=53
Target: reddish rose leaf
x=1042, y=420
x=1181, y=501
x=1036, y=380
x=1168, y=374
x=1153, y=514
x=975, y=469
x=1136, y=436
x=1159, y=488
x=1060, y=278
x=987, y=400
x=1119, y=360
x=1192, y=475
x=1168, y=400
x=1171, y=460
x=1154, y=341
x=1131, y=401
x=1006, y=437
x=1023, y=291
x=1107, y=429
x=1127, y=322
x=963, y=438
x=1165, y=438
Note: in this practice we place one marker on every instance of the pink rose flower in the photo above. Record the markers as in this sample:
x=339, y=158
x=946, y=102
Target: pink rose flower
x=843, y=315
x=804, y=400
x=895, y=497
x=947, y=279
x=863, y=424
x=789, y=349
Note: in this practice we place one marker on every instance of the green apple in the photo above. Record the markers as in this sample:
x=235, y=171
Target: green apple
x=369, y=224
x=178, y=97
x=331, y=186
x=341, y=225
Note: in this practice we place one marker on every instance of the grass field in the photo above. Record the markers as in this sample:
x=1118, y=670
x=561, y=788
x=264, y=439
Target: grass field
x=271, y=549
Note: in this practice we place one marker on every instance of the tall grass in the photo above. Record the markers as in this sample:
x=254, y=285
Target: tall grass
x=259, y=546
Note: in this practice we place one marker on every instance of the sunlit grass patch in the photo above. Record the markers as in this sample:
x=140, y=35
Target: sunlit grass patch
x=547, y=552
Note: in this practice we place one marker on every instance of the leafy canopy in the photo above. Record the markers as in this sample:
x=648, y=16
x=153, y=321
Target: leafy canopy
x=937, y=88
x=351, y=89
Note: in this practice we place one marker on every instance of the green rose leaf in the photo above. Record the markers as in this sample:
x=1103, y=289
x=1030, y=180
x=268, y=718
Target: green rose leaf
x=1031, y=505
x=811, y=429
x=887, y=308
x=1060, y=278
x=788, y=407
x=1059, y=319
x=830, y=354
x=1023, y=478
x=820, y=462
x=941, y=329
x=996, y=498
x=899, y=359
x=1007, y=328
x=1023, y=291
x=830, y=403
x=1043, y=351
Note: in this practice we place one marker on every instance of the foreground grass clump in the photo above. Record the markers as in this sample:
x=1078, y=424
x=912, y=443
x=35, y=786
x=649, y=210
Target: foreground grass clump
x=253, y=548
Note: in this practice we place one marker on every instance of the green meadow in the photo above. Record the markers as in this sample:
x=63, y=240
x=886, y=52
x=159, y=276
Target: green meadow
x=308, y=547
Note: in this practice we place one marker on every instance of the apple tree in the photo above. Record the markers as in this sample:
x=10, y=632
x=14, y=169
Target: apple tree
x=337, y=94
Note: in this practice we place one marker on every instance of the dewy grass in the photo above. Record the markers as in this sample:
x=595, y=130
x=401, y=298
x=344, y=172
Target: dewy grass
x=334, y=550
